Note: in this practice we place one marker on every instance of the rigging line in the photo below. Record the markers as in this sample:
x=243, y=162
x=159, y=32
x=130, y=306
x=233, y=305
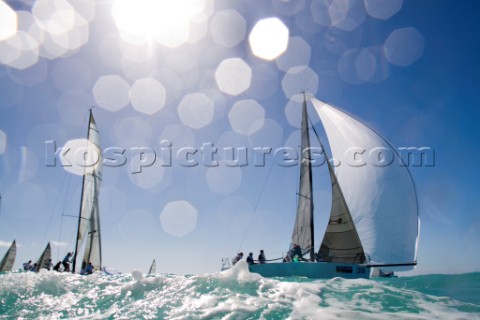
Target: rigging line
x=59, y=238
x=61, y=225
x=67, y=188
x=256, y=204
x=84, y=121
x=54, y=207
x=276, y=259
x=66, y=247
x=14, y=233
x=310, y=125
x=262, y=190
x=72, y=216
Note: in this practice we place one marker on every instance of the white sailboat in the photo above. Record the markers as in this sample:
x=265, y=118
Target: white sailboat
x=45, y=260
x=9, y=258
x=373, y=221
x=89, y=217
x=153, y=268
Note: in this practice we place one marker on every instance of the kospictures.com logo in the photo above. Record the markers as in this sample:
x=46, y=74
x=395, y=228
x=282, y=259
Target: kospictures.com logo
x=83, y=154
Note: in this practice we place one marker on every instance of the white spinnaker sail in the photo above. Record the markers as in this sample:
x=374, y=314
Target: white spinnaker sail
x=381, y=198
x=45, y=259
x=89, y=220
x=9, y=258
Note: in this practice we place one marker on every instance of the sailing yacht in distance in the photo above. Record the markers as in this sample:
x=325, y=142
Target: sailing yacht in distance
x=153, y=268
x=373, y=221
x=6, y=264
x=45, y=260
x=88, y=227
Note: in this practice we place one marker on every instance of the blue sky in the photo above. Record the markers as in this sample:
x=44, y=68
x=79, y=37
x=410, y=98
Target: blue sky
x=409, y=69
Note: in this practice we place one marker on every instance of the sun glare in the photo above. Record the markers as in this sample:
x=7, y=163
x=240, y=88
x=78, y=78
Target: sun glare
x=164, y=21
x=269, y=38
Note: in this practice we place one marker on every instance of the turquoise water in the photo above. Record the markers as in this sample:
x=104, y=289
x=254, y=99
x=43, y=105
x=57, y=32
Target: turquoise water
x=236, y=294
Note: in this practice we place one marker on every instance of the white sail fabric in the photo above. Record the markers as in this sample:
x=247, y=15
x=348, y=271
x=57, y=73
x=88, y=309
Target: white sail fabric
x=9, y=258
x=153, y=268
x=93, y=247
x=303, y=229
x=89, y=220
x=45, y=260
x=381, y=198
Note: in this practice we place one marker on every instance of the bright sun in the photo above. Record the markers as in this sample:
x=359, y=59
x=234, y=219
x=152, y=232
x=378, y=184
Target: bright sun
x=165, y=21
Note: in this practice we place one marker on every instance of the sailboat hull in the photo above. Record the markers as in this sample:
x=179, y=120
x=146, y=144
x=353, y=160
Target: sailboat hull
x=314, y=270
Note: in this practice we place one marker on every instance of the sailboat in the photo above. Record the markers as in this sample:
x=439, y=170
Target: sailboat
x=153, y=268
x=45, y=260
x=9, y=258
x=373, y=222
x=89, y=218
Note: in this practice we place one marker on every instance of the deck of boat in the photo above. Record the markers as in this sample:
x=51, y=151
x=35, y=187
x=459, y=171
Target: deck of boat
x=315, y=270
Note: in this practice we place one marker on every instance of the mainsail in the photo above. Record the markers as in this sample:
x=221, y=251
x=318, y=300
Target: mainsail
x=9, y=258
x=89, y=218
x=377, y=189
x=303, y=231
x=45, y=259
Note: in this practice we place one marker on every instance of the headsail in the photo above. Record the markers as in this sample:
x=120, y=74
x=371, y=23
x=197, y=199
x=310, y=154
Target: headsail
x=303, y=231
x=380, y=195
x=340, y=242
x=45, y=259
x=9, y=258
x=89, y=219
x=153, y=268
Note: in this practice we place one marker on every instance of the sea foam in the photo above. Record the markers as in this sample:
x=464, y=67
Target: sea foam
x=235, y=294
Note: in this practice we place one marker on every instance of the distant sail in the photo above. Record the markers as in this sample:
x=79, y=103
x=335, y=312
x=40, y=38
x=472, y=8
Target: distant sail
x=9, y=258
x=381, y=197
x=45, y=259
x=89, y=218
x=153, y=268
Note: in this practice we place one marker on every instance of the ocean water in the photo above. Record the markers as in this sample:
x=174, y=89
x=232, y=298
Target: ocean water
x=235, y=294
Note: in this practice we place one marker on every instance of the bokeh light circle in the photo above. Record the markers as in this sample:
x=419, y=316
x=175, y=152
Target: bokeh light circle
x=178, y=218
